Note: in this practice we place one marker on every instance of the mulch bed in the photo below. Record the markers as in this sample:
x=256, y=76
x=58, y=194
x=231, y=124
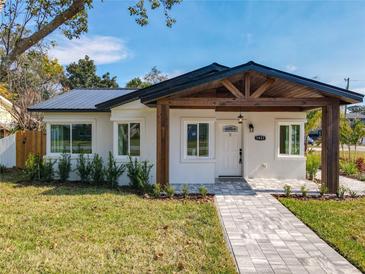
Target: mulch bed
x=317, y=197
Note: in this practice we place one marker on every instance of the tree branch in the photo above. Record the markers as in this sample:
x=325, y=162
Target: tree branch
x=24, y=44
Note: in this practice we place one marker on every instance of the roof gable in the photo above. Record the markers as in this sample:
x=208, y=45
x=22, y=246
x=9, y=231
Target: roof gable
x=349, y=96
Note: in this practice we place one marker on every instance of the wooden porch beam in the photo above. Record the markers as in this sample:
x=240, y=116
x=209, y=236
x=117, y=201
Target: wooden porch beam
x=162, y=158
x=330, y=146
x=243, y=102
x=232, y=88
x=247, y=79
x=264, y=87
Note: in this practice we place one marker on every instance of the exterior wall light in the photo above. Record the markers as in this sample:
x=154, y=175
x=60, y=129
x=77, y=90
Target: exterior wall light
x=240, y=118
x=250, y=126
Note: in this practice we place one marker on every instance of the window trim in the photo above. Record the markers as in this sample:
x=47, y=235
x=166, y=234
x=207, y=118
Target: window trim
x=116, y=137
x=184, y=135
x=70, y=123
x=289, y=123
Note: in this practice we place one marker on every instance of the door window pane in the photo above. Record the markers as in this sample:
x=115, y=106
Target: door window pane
x=135, y=134
x=81, y=138
x=192, y=136
x=204, y=140
x=295, y=139
x=60, y=139
x=284, y=139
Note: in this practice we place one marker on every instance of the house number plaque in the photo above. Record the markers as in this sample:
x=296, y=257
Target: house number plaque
x=260, y=138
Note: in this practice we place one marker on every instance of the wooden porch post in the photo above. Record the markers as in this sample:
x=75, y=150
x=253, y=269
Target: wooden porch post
x=162, y=161
x=330, y=146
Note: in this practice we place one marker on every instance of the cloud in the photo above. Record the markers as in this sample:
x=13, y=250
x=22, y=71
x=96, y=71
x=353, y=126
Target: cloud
x=291, y=68
x=102, y=49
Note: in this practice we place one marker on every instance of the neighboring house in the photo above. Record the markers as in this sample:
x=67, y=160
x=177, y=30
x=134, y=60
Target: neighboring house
x=211, y=122
x=351, y=116
x=6, y=120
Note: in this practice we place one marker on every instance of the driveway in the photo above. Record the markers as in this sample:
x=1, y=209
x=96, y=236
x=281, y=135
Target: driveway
x=265, y=237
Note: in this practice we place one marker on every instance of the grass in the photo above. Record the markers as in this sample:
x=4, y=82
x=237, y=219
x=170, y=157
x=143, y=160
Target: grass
x=340, y=223
x=71, y=229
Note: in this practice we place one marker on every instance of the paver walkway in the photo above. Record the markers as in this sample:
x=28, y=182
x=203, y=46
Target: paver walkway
x=265, y=237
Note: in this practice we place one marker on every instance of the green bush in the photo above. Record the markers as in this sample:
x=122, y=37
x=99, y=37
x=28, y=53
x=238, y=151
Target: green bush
x=156, y=190
x=47, y=171
x=113, y=171
x=170, y=191
x=352, y=193
x=33, y=167
x=287, y=190
x=312, y=165
x=97, y=170
x=304, y=191
x=185, y=191
x=203, y=191
x=64, y=167
x=139, y=173
x=323, y=189
x=348, y=168
x=341, y=191
x=83, y=168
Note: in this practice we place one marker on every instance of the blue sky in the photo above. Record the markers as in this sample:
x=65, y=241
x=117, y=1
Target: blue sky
x=323, y=39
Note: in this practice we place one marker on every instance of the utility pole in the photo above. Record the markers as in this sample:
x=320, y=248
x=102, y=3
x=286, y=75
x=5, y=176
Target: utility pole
x=347, y=80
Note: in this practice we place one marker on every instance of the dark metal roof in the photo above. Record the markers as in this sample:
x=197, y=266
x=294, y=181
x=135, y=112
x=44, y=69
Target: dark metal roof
x=151, y=94
x=179, y=80
x=105, y=99
x=80, y=100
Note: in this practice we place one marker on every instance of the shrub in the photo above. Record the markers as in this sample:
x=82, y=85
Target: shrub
x=47, y=171
x=83, y=168
x=185, y=191
x=304, y=190
x=156, y=190
x=33, y=167
x=287, y=190
x=97, y=170
x=64, y=167
x=203, y=191
x=341, y=191
x=139, y=174
x=323, y=189
x=113, y=171
x=170, y=191
x=360, y=164
x=312, y=165
x=348, y=168
x=2, y=169
x=352, y=193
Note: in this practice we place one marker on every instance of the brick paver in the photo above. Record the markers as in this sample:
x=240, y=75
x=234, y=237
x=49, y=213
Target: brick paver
x=265, y=237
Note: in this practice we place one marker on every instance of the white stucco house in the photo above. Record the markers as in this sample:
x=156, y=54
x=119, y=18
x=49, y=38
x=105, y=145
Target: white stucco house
x=6, y=120
x=246, y=121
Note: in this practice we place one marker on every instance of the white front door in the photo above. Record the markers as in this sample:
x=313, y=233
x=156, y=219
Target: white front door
x=229, y=148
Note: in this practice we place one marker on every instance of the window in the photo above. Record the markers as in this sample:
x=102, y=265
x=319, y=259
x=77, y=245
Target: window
x=290, y=139
x=129, y=139
x=71, y=138
x=197, y=140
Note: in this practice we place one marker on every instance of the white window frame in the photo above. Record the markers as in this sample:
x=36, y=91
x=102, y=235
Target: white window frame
x=290, y=123
x=184, y=135
x=70, y=123
x=116, y=137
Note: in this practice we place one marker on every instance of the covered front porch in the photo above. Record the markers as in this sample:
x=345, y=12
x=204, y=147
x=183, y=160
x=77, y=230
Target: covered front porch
x=245, y=89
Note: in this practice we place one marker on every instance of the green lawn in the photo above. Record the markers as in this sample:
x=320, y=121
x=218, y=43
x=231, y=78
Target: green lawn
x=69, y=229
x=340, y=223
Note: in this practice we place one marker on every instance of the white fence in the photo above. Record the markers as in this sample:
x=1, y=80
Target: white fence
x=8, y=151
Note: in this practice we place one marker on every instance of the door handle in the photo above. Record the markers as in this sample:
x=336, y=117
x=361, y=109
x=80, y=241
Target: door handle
x=240, y=161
